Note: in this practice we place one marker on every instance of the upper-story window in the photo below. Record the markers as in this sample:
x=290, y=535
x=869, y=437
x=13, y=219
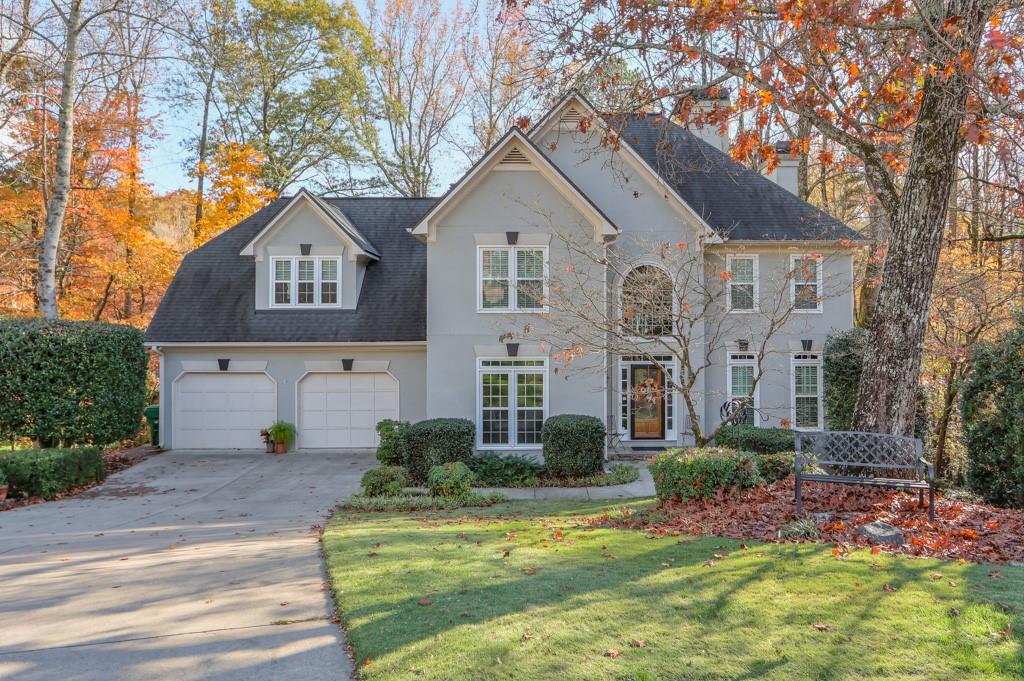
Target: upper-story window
x=512, y=278
x=806, y=284
x=742, y=286
x=302, y=281
x=647, y=298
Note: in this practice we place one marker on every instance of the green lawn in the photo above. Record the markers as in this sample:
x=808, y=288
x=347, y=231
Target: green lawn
x=566, y=595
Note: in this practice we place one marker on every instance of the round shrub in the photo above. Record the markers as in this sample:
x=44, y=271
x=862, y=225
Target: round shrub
x=686, y=474
x=71, y=382
x=392, y=441
x=437, y=441
x=992, y=408
x=384, y=481
x=450, y=480
x=573, y=445
x=757, y=440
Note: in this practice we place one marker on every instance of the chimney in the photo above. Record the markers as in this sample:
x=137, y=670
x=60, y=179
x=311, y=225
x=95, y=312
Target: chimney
x=706, y=101
x=785, y=175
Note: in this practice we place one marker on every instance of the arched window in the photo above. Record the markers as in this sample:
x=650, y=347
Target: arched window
x=647, y=301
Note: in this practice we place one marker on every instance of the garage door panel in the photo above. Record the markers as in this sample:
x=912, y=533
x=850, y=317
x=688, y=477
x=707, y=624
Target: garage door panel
x=223, y=410
x=340, y=410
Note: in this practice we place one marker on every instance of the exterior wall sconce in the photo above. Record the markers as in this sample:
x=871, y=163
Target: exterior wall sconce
x=807, y=344
x=512, y=349
x=305, y=248
x=223, y=364
x=346, y=364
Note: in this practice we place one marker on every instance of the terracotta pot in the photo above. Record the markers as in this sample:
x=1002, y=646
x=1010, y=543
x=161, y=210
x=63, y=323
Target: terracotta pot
x=281, y=447
x=3, y=492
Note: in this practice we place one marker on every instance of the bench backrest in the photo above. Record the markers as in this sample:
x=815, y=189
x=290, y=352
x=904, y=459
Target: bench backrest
x=849, y=450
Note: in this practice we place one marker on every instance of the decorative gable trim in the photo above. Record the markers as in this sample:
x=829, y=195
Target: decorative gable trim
x=335, y=219
x=573, y=108
x=515, y=144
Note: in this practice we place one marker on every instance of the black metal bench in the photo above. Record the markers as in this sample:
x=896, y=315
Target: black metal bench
x=864, y=459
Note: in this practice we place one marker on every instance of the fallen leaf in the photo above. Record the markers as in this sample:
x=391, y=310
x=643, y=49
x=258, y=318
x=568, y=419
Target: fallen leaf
x=822, y=627
x=638, y=643
x=1008, y=631
x=424, y=601
x=530, y=570
x=875, y=550
x=889, y=588
x=612, y=652
x=366, y=662
x=954, y=612
x=283, y=603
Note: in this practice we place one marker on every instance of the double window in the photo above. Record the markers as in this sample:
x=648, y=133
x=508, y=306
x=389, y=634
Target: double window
x=742, y=287
x=304, y=282
x=742, y=369
x=512, y=278
x=513, y=401
x=807, y=402
x=806, y=283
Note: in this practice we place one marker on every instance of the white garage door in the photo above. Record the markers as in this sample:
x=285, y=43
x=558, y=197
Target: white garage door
x=342, y=409
x=223, y=410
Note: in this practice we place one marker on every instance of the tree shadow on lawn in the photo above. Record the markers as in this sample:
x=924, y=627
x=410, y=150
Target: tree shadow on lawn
x=726, y=604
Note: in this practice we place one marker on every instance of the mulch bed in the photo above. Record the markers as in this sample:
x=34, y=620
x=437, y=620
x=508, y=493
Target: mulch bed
x=972, y=532
x=114, y=460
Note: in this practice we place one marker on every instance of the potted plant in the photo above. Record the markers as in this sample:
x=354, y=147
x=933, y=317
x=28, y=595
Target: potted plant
x=283, y=435
x=267, y=441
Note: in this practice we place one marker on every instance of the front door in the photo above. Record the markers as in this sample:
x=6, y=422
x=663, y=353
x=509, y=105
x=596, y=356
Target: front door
x=647, y=402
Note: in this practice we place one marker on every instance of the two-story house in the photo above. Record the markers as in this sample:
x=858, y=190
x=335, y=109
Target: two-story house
x=335, y=313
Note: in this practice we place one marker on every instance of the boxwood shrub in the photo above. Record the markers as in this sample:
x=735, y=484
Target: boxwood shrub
x=66, y=382
x=757, y=440
x=49, y=472
x=450, y=480
x=392, y=441
x=776, y=466
x=437, y=441
x=687, y=474
x=573, y=445
x=384, y=481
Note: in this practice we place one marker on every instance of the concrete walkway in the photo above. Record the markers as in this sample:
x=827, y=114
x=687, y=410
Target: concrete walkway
x=190, y=565
x=643, y=487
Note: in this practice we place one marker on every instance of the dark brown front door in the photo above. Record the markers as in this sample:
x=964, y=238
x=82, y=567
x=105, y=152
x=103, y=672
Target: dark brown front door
x=647, y=402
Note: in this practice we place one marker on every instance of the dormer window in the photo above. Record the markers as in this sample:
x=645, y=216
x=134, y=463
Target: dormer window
x=301, y=281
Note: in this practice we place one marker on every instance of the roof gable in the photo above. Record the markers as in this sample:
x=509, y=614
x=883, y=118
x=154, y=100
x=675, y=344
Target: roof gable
x=332, y=216
x=515, y=151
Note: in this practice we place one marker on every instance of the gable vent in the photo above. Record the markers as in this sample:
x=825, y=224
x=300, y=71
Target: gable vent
x=571, y=118
x=515, y=157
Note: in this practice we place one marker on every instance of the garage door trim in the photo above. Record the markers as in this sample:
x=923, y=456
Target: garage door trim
x=355, y=370
x=187, y=372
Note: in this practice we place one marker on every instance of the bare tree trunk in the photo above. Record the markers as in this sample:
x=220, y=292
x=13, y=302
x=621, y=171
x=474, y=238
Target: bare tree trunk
x=942, y=427
x=204, y=133
x=887, y=395
x=46, y=293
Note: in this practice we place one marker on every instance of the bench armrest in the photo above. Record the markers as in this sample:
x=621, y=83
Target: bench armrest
x=931, y=469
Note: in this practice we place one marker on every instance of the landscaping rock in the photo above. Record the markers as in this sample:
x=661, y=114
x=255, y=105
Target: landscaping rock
x=883, y=533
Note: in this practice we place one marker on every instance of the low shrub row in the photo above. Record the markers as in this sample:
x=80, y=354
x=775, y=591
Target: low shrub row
x=757, y=440
x=573, y=446
x=688, y=474
x=49, y=472
x=419, y=502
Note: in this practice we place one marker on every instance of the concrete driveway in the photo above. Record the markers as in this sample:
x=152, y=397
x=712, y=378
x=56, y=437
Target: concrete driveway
x=190, y=565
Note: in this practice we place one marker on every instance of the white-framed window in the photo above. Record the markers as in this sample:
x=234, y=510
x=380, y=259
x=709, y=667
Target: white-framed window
x=742, y=290
x=512, y=402
x=807, y=392
x=741, y=372
x=304, y=281
x=806, y=282
x=647, y=301
x=512, y=278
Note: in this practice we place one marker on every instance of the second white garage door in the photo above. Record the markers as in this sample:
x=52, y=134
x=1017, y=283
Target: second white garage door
x=342, y=409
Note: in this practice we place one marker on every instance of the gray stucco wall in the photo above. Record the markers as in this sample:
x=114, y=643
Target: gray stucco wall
x=457, y=334
x=286, y=365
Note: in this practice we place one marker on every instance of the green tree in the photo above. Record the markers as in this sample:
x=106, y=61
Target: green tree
x=291, y=84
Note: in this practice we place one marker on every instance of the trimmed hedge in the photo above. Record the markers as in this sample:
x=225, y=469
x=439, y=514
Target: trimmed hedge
x=757, y=440
x=450, y=480
x=686, y=474
x=437, y=441
x=573, y=445
x=384, y=481
x=992, y=409
x=71, y=382
x=390, y=450
x=493, y=470
x=49, y=472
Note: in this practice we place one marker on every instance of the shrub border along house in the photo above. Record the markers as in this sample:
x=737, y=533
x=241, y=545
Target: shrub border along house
x=688, y=474
x=48, y=473
x=437, y=441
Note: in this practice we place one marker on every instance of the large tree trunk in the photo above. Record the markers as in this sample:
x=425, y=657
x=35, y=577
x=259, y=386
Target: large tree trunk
x=204, y=134
x=887, y=395
x=46, y=293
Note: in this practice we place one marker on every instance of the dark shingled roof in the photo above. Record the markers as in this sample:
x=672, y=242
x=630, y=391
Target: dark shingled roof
x=734, y=200
x=212, y=296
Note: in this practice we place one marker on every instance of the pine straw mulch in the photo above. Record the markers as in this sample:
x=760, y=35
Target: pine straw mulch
x=972, y=532
x=114, y=461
